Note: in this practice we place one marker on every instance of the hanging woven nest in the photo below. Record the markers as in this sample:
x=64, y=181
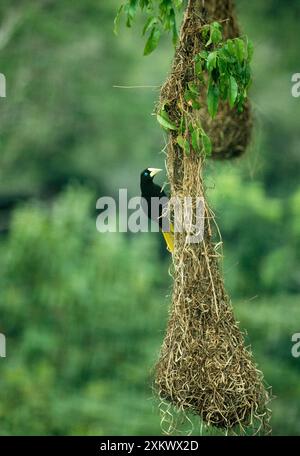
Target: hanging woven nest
x=204, y=367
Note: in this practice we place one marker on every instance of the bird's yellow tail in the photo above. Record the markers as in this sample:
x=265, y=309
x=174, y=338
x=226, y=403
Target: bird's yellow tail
x=169, y=238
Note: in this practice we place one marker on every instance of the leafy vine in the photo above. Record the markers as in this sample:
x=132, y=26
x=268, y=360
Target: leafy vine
x=222, y=69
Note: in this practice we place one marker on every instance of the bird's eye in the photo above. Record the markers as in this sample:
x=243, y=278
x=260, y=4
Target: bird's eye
x=146, y=173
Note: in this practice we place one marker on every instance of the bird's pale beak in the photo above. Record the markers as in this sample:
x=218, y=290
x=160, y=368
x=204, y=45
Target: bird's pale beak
x=154, y=171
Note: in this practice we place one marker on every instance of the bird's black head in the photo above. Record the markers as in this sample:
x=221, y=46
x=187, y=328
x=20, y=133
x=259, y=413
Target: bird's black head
x=148, y=174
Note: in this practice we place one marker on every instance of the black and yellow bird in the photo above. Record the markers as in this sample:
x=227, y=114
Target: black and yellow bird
x=151, y=190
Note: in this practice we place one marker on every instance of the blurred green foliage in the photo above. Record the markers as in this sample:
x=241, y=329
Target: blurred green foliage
x=84, y=313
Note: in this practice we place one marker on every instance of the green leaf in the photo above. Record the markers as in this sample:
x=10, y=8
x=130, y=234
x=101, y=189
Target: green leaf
x=196, y=140
x=203, y=54
x=187, y=148
x=230, y=47
x=213, y=99
x=182, y=125
x=178, y=3
x=216, y=26
x=193, y=88
x=184, y=144
x=164, y=121
x=198, y=66
x=247, y=76
x=131, y=9
x=240, y=49
x=180, y=141
x=152, y=41
x=211, y=61
x=149, y=24
x=224, y=87
x=216, y=36
x=207, y=145
x=174, y=33
x=222, y=64
x=233, y=91
x=117, y=19
x=250, y=50
x=205, y=31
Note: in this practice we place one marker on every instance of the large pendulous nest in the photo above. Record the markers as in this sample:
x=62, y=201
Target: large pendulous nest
x=204, y=366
